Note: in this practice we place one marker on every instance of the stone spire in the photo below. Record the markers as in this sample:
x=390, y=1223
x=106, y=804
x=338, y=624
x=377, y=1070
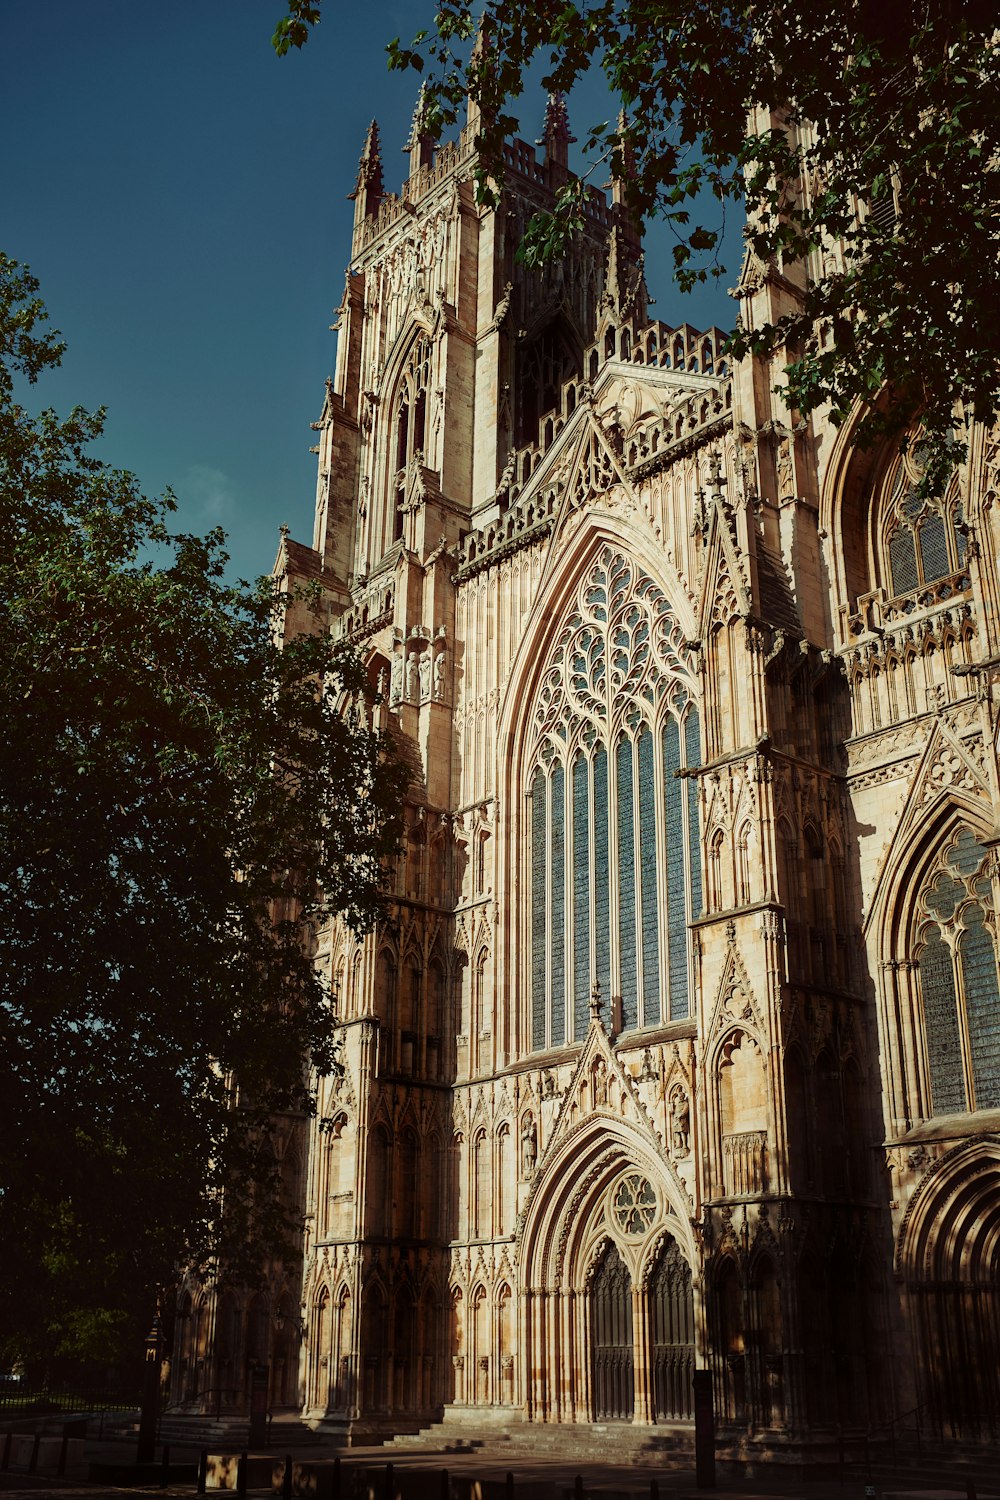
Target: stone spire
x=556, y=137
x=369, y=190
x=420, y=143
x=619, y=179
x=480, y=48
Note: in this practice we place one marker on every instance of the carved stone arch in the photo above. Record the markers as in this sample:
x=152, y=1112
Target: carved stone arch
x=848, y=481
x=948, y=1254
x=574, y=1180
x=595, y=1260
x=653, y=1251
x=548, y=356
x=735, y=1005
x=741, y=1110
x=951, y=1228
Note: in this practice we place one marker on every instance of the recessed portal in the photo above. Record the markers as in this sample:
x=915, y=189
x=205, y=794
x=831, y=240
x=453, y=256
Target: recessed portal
x=611, y=1340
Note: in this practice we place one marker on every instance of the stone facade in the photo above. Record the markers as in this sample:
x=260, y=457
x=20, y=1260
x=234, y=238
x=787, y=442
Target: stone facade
x=682, y=1046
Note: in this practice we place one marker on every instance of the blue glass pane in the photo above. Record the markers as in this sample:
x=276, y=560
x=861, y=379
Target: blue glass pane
x=626, y=885
x=647, y=892
x=965, y=855
x=933, y=547
x=538, y=910
x=673, y=798
x=558, y=888
x=602, y=899
x=581, y=897
x=944, y=1049
x=692, y=742
x=982, y=1009
x=945, y=897
x=902, y=560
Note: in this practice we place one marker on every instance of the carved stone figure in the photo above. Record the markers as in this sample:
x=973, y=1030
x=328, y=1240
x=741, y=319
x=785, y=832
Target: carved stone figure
x=680, y=1123
x=529, y=1146
x=396, y=680
x=440, y=674
x=425, y=675
x=413, y=678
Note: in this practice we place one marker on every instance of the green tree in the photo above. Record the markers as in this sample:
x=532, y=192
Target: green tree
x=874, y=124
x=178, y=791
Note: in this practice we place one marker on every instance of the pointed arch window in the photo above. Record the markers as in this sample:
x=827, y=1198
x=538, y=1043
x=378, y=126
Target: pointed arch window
x=409, y=423
x=957, y=966
x=922, y=541
x=614, y=866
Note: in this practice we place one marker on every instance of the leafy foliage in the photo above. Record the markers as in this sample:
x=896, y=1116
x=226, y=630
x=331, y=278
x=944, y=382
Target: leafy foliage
x=177, y=792
x=874, y=127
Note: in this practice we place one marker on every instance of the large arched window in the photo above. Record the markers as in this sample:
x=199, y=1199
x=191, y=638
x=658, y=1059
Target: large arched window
x=409, y=423
x=544, y=364
x=614, y=864
x=957, y=960
x=921, y=541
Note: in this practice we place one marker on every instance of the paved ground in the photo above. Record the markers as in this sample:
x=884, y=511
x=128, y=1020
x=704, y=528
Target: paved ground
x=604, y=1481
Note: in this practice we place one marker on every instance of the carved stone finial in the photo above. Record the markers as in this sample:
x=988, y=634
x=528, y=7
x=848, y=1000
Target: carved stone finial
x=556, y=136
x=369, y=189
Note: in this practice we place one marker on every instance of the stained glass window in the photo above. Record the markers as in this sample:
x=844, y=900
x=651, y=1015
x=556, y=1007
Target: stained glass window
x=581, y=894
x=558, y=888
x=626, y=885
x=922, y=537
x=958, y=981
x=538, y=909
x=602, y=887
x=615, y=693
x=647, y=886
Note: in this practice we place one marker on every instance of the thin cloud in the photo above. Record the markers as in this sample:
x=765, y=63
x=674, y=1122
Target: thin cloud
x=208, y=496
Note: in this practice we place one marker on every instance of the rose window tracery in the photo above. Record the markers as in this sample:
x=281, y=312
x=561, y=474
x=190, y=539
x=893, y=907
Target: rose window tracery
x=634, y=1204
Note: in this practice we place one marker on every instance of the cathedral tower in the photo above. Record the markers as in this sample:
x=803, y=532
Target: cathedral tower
x=683, y=1033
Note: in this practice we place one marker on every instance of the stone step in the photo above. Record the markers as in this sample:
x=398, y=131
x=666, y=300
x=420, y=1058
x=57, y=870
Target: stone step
x=592, y=1441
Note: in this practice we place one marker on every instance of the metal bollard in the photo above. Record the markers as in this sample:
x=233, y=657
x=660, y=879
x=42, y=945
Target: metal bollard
x=578, y=1487
x=389, y=1487
x=654, y=1490
x=336, y=1479
x=510, y=1486
x=5, y=1462
x=202, y=1471
x=165, y=1467
x=241, y=1475
x=63, y=1449
x=33, y=1465
x=286, y=1479
x=445, y=1485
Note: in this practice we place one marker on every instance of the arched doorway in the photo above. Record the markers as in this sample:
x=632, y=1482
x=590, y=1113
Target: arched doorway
x=613, y=1376
x=951, y=1264
x=671, y=1329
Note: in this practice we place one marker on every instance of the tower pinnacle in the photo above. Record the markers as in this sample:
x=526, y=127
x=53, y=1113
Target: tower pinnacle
x=556, y=137
x=369, y=189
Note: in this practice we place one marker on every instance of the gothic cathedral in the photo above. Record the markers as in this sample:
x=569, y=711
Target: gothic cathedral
x=681, y=1049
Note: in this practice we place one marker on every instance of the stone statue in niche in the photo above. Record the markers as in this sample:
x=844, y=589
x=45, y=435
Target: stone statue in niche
x=440, y=669
x=413, y=678
x=396, y=680
x=529, y=1146
x=425, y=675
x=647, y=1070
x=548, y=1084
x=600, y=1083
x=785, y=467
x=680, y=1123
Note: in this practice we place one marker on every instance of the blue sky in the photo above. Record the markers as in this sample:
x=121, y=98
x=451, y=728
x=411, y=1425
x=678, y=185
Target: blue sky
x=181, y=194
